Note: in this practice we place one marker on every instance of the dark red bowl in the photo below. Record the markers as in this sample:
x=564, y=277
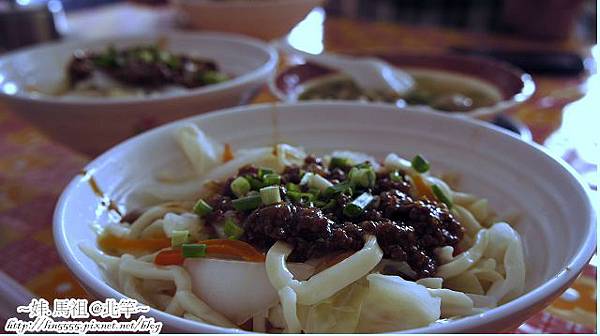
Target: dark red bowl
x=514, y=85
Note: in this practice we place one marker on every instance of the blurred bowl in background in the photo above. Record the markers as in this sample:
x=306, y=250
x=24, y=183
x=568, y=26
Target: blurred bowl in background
x=507, y=85
x=93, y=124
x=264, y=19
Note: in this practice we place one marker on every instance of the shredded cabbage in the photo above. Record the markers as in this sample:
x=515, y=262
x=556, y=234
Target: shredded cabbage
x=393, y=303
x=336, y=314
x=202, y=152
x=453, y=303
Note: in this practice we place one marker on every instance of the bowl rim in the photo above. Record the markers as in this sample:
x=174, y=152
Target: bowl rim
x=537, y=295
x=528, y=86
x=267, y=68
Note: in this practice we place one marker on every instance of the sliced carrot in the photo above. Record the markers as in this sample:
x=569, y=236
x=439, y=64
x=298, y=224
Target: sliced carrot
x=169, y=257
x=220, y=247
x=233, y=252
x=227, y=153
x=118, y=245
x=236, y=248
x=422, y=188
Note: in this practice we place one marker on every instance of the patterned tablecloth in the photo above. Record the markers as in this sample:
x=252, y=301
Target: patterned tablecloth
x=562, y=115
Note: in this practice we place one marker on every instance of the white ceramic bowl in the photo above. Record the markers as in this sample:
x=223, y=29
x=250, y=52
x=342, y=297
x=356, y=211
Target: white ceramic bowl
x=265, y=19
x=558, y=223
x=92, y=125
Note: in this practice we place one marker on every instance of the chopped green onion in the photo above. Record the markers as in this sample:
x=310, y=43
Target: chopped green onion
x=247, y=203
x=212, y=77
x=255, y=184
x=292, y=187
x=294, y=195
x=319, y=182
x=339, y=188
x=365, y=164
x=340, y=162
x=146, y=56
x=325, y=205
x=271, y=179
x=202, y=208
x=301, y=197
x=357, y=206
x=240, y=186
x=306, y=178
x=364, y=177
x=232, y=230
x=395, y=176
x=270, y=195
x=307, y=197
x=264, y=171
x=328, y=205
x=193, y=250
x=316, y=192
x=441, y=195
x=420, y=164
x=179, y=237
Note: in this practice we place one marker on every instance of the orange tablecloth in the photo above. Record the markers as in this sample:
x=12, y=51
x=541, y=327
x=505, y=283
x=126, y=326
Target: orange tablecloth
x=33, y=170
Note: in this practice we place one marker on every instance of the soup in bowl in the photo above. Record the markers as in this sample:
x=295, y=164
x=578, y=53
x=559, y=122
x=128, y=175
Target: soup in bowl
x=460, y=85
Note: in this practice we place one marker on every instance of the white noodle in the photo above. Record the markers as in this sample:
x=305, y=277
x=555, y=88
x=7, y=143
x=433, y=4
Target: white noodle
x=466, y=219
x=466, y=259
x=493, y=258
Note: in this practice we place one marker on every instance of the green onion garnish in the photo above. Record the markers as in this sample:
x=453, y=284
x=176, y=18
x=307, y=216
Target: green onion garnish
x=306, y=178
x=213, y=77
x=201, y=208
x=247, y=203
x=179, y=237
x=301, y=197
x=294, y=195
x=264, y=171
x=339, y=162
x=316, y=192
x=292, y=187
x=240, y=186
x=420, y=164
x=255, y=184
x=193, y=250
x=363, y=177
x=441, y=195
x=232, y=230
x=319, y=182
x=357, y=206
x=339, y=188
x=270, y=195
x=329, y=204
x=271, y=179
x=395, y=176
x=307, y=197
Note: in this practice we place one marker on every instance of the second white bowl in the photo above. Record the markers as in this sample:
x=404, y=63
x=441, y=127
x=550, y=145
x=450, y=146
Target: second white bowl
x=91, y=125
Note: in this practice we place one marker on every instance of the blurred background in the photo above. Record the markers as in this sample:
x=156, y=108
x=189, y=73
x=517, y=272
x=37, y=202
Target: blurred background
x=554, y=19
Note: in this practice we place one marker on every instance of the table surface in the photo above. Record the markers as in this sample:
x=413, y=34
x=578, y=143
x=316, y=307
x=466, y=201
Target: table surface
x=562, y=116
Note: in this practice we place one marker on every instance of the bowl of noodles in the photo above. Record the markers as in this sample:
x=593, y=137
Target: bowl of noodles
x=92, y=94
x=327, y=217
